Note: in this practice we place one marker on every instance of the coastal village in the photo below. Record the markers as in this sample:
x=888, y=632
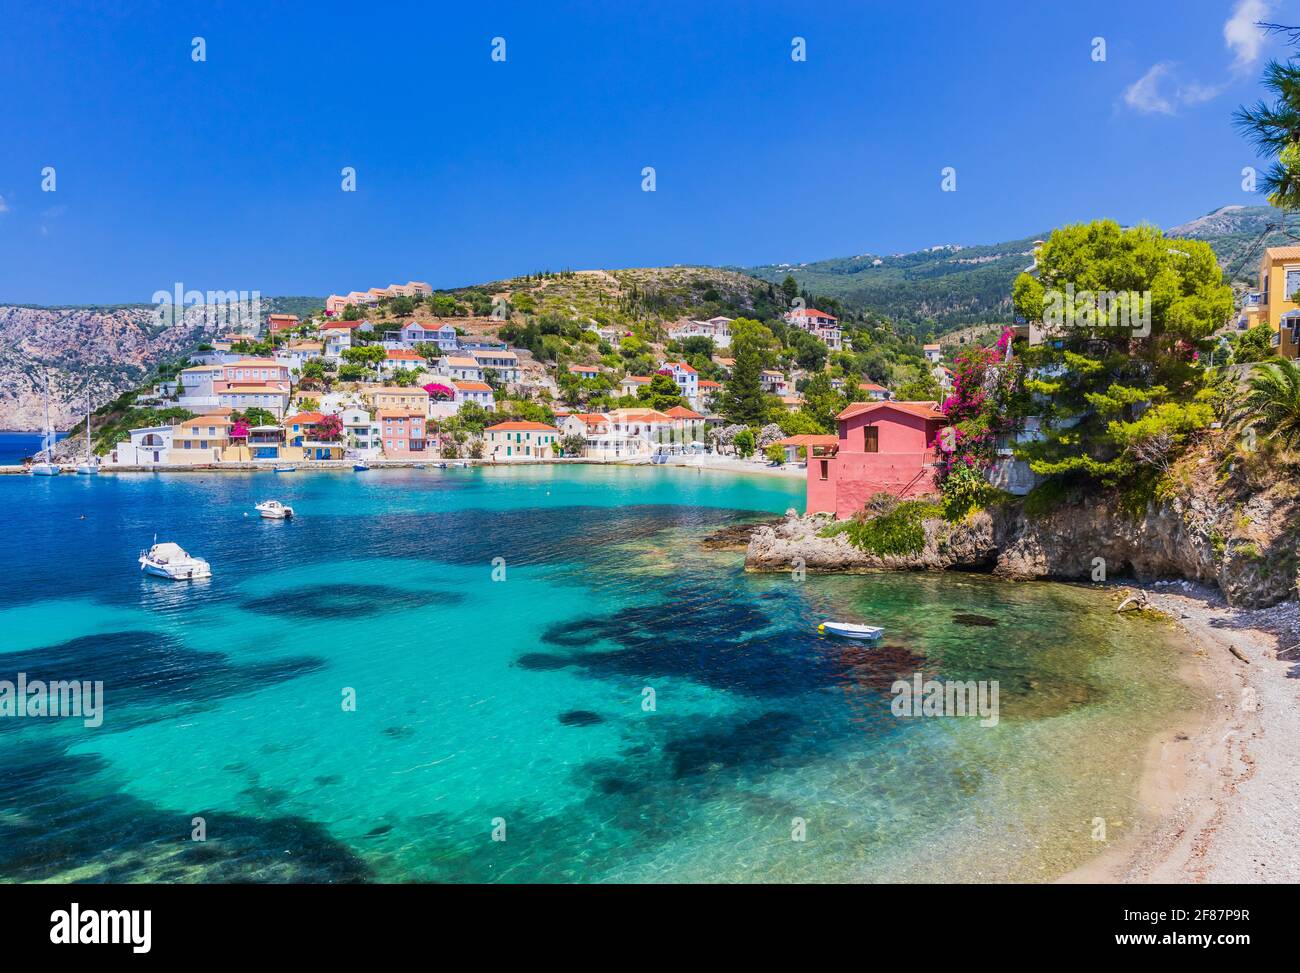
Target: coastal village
x=403, y=375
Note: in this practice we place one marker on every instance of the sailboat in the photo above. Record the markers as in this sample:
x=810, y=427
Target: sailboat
x=47, y=468
x=91, y=466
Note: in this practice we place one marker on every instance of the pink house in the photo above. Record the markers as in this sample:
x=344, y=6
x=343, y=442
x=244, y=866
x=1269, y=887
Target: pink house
x=403, y=434
x=882, y=447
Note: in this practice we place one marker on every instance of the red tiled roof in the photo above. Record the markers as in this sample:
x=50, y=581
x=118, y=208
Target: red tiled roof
x=473, y=386
x=592, y=418
x=872, y=387
x=926, y=410
x=808, y=439
x=812, y=312
x=404, y=354
x=706, y=384
x=306, y=418
x=680, y=365
x=681, y=412
x=520, y=427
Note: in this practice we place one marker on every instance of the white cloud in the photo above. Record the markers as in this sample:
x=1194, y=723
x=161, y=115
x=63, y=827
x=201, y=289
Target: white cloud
x=4, y=207
x=1244, y=39
x=1162, y=91
x=1144, y=94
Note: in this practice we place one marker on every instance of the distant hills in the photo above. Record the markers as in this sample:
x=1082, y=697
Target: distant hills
x=107, y=349
x=946, y=288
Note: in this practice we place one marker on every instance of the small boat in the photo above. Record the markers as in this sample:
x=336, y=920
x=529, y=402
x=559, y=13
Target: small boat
x=285, y=469
x=274, y=510
x=169, y=561
x=45, y=469
x=360, y=466
x=850, y=631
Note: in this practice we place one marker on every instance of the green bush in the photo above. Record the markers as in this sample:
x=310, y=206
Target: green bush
x=898, y=532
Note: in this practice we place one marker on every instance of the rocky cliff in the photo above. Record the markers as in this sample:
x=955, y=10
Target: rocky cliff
x=103, y=351
x=1238, y=536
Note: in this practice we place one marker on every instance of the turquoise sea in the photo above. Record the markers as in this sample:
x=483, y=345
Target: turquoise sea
x=517, y=706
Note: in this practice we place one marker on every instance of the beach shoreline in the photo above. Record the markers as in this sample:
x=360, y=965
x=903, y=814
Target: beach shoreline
x=712, y=463
x=1219, y=790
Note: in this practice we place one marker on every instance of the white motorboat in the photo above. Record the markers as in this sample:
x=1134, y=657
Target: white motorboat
x=274, y=510
x=45, y=469
x=850, y=631
x=169, y=561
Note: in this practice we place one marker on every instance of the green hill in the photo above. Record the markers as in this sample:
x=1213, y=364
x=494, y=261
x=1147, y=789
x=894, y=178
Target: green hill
x=947, y=288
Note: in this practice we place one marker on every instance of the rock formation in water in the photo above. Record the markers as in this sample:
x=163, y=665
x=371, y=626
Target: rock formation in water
x=1241, y=538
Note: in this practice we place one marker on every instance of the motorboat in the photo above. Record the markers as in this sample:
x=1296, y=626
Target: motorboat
x=274, y=510
x=170, y=561
x=285, y=469
x=850, y=631
x=360, y=466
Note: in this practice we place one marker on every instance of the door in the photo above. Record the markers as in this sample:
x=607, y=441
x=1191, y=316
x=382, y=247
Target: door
x=871, y=439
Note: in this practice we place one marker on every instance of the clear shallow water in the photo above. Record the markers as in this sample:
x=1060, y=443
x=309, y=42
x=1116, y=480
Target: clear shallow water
x=522, y=699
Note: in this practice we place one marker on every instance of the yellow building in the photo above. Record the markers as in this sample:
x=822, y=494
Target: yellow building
x=203, y=439
x=1279, y=285
x=411, y=398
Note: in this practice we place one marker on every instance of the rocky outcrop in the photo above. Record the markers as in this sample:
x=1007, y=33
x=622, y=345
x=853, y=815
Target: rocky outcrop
x=798, y=542
x=1246, y=546
x=103, y=352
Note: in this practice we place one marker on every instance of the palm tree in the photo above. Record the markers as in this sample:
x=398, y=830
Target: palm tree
x=1273, y=403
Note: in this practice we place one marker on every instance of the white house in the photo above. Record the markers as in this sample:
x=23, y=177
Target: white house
x=146, y=447
x=687, y=379
x=336, y=341
x=295, y=356
x=773, y=382
x=508, y=441
x=933, y=353
x=631, y=384
x=460, y=367
x=398, y=358
x=480, y=393
x=360, y=431
x=717, y=329
x=504, y=363
x=819, y=323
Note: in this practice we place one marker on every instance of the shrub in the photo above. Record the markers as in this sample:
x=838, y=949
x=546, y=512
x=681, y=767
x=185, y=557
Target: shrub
x=899, y=532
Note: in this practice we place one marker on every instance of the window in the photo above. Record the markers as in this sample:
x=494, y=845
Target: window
x=870, y=439
x=826, y=469
x=1292, y=283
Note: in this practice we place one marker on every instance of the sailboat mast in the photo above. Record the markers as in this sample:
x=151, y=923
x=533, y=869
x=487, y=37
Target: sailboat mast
x=87, y=427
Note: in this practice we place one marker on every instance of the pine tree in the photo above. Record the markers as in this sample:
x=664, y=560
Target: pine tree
x=742, y=393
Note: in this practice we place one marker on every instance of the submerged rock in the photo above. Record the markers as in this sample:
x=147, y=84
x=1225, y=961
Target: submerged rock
x=581, y=717
x=965, y=618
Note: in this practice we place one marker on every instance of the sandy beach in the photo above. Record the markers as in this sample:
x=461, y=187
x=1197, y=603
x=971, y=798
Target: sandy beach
x=1220, y=796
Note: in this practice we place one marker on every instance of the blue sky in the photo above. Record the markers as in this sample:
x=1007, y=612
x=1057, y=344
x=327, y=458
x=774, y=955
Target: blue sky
x=225, y=174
